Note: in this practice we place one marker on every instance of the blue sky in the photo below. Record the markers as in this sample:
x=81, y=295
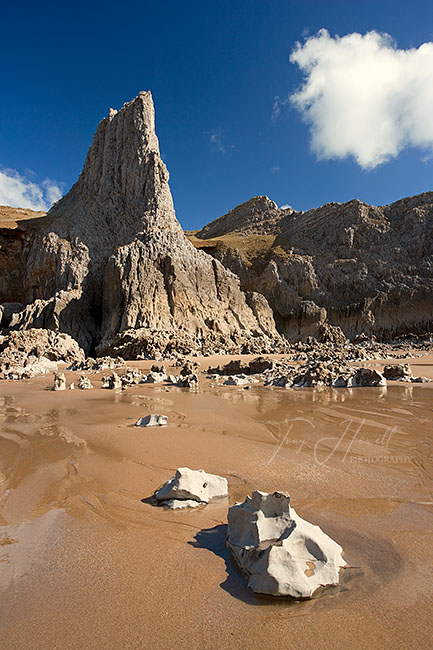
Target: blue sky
x=214, y=69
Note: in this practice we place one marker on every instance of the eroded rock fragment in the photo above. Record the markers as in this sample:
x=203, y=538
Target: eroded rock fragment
x=152, y=420
x=192, y=484
x=84, y=383
x=59, y=381
x=280, y=553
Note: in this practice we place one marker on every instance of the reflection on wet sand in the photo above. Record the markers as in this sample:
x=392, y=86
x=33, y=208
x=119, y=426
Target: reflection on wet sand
x=77, y=531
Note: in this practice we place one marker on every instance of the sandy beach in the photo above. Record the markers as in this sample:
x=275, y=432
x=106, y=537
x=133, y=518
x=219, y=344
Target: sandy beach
x=87, y=561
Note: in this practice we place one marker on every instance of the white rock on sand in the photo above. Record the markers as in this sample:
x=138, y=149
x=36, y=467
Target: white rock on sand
x=152, y=420
x=280, y=553
x=189, y=484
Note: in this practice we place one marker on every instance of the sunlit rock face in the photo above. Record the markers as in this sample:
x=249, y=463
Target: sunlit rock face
x=361, y=267
x=112, y=267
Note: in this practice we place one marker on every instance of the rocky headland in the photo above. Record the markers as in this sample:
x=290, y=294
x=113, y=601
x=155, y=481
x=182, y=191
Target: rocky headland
x=365, y=269
x=111, y=267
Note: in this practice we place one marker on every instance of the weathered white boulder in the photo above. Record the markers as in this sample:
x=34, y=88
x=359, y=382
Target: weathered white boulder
x=192, y=484
x=152, y=420
x=59, y=381
x=280, y=553
x=84, y=383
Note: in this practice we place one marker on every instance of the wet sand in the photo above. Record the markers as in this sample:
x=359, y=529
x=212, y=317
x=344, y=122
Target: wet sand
x=86, y=562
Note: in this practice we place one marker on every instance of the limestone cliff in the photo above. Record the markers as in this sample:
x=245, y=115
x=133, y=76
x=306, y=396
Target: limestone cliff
x=111, y=265
x=365, y=268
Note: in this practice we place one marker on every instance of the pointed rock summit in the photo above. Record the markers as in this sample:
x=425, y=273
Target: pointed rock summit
x=112, y=266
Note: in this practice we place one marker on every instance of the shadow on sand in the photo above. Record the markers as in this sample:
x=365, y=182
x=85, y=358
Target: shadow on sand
x=214, y=540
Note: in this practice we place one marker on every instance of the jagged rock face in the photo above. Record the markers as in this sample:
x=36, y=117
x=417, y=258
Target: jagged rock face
x=17, y=233
x=259, y=215
x=113, y=258
x=360, y=267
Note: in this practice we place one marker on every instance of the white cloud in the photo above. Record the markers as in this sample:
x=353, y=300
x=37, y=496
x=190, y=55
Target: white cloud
x=275, y=169
x=363, y=97
x=286, y=206
x=277, y=107
x=18, y=191
x=216, y=139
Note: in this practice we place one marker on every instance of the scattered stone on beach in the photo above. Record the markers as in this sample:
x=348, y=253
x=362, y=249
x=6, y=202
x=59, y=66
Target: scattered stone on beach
x=112, y=382
x=398, y=372
x=72, y=386
x=191, y=485
x=159, y=369
x=96, y=365
x=152, y=420
x=280, y=553
x=154, y=377
x=131, y=377
x=84, y=383
x=237, y=380
x=189, y=368
x=59, y=381
x=420, y=380
x=187, y=381
x=241, y=367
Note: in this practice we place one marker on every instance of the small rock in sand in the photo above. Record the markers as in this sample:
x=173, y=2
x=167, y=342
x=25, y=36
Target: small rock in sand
x=152, y=420
x=59, y=381
x=84, y=383
x=112, y=382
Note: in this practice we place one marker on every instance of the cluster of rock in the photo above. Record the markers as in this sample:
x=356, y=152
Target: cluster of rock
x=96, y=365
x=280, y=553
x=84, y=382
x=324, y=368
x=328, y=372
x=325, y=373
x=186, y=379
x=25, y=354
